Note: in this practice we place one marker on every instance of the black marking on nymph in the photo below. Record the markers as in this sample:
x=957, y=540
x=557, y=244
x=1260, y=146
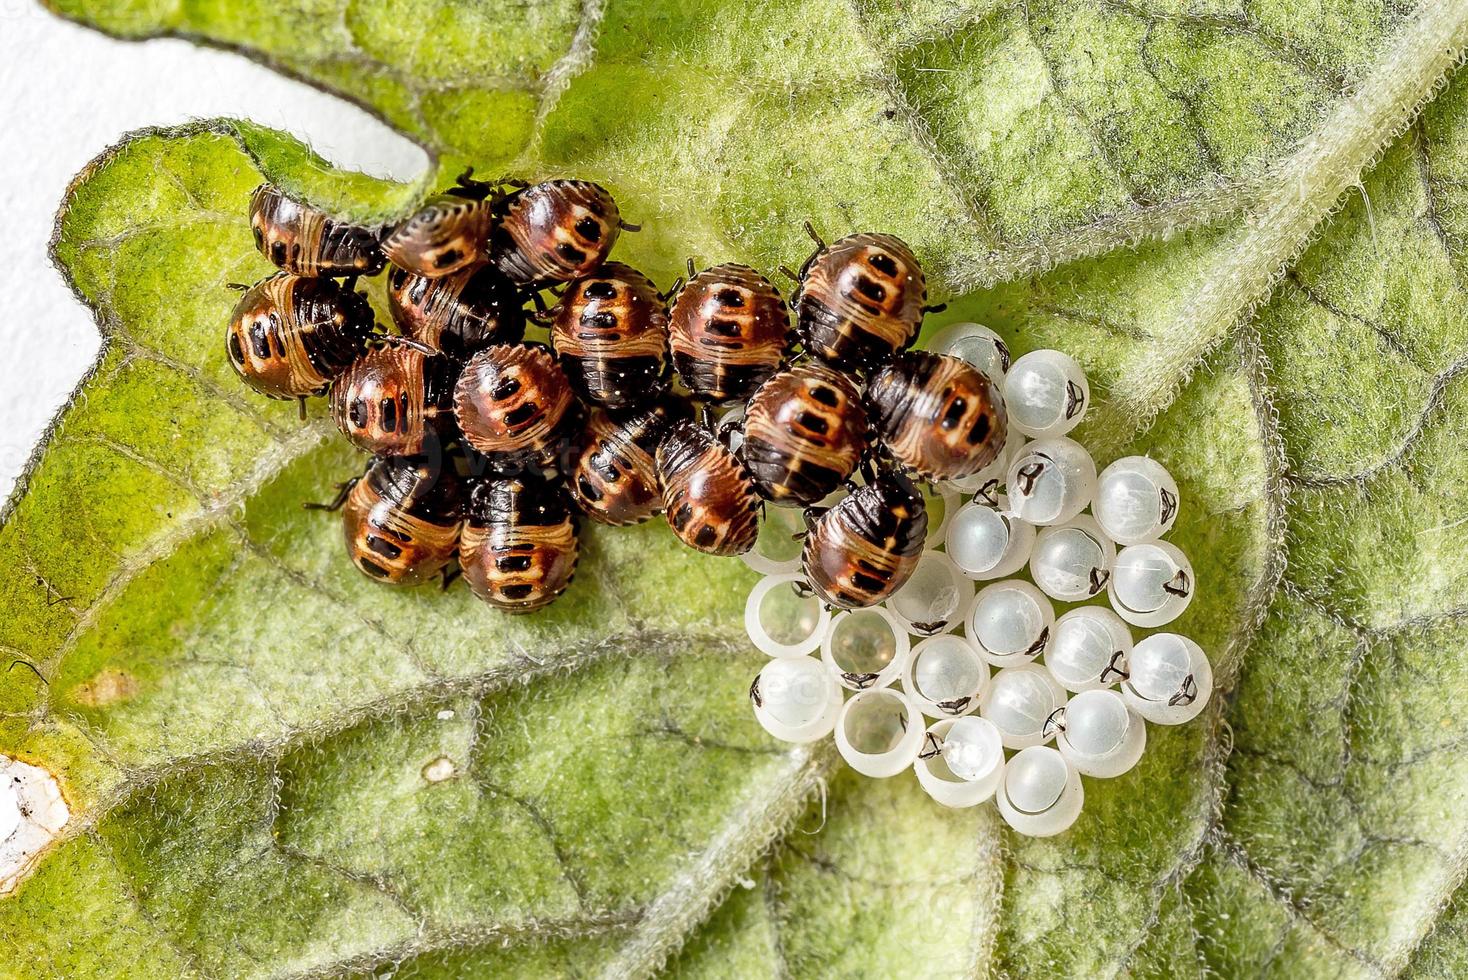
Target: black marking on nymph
x=601, y=289
x=504, y=388
x=883, y=263
x=825, y=395
x=589, y=229
x=383, y=547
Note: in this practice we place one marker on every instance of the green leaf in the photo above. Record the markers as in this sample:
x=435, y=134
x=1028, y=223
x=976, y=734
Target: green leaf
x=274, y=766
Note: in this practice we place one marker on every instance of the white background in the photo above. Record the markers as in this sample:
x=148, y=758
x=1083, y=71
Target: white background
x=68, y=94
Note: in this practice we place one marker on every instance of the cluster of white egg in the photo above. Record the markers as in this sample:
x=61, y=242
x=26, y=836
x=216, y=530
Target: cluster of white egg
x=984, y=691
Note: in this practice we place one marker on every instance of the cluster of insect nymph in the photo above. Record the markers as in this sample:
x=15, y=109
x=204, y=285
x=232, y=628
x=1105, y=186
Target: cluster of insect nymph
x=871, y=483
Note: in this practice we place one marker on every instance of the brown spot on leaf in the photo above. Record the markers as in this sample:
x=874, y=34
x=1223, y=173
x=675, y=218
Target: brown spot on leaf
x=107, y=687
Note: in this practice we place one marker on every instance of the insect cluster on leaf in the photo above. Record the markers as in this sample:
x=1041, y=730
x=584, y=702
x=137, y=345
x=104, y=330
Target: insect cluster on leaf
x=487, y=449
x=727, y=409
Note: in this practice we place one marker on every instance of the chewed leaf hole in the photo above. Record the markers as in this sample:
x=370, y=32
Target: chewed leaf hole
x=32, y=815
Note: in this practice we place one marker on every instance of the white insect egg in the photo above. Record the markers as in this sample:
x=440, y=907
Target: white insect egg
x=1011, y=622
x=1171, y=679
x=1088, y=649
x=1099, y=735
x=1136, y=500
x=941, y=501
x=1072, y=561
x=1151, y=584
x=1046, y=394
x=879, y=732
x=730, y=428
x=986, y=483
x=777, y=549
x=985, y=542
x=1051, y=481
x=1020, y=701
x=973, y=748
x=976, y=344
x=1040, y=794
x=935, y=598
x=961, y=761
x=945, y=676
x=796, y=699
x=783, y=617
x=865, y=648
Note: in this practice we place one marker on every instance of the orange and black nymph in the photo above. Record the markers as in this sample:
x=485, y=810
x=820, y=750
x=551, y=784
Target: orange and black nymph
x=448, y=233
x=289, y=336
x=614, y=477
x=729, y=330
x=709, y=498
x=860, y=300
x=520, y=543
x=939, y=416
x=554, y=231
x=306, y=241
x=610, y=331
x=401, y=519
x=805, y=430
x=396, y=400
x=866, y=547
x=512, y=398
x=459, y=314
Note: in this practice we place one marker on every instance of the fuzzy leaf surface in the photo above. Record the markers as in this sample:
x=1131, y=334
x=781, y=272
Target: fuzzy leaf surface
x=276, y=767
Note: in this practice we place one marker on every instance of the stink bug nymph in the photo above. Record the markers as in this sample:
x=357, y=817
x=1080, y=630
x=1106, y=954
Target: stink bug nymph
x=512, y=398
x=305, y=241
x=459, y=314
x=401, y=519
x=396, y=400
x=940, y=416
x=610, y=332
x=804, y=432
x=448, y=233
x=866, y=547
x=729, y=330
x=554, y=231
x=709, y=497
x=860, y=300
x=520, y=543
x=289, y=337
x=614, y=477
